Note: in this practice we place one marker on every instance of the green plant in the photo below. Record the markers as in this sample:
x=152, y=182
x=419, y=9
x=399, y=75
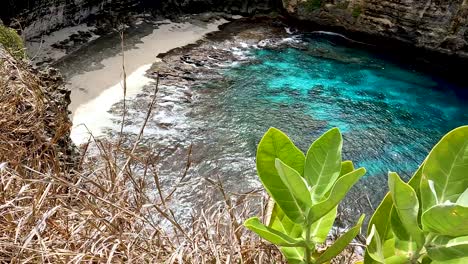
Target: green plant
x=357, y=10
x=12, y=42
x=426, y=219
x=306, y=191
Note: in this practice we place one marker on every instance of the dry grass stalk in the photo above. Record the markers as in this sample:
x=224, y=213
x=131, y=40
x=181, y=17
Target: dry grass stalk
x=34, y=126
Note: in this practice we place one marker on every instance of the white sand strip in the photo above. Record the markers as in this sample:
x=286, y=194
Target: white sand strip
x=94, y=92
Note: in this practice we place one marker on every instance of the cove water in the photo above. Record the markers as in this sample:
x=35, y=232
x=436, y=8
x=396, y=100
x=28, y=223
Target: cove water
x=390, y=115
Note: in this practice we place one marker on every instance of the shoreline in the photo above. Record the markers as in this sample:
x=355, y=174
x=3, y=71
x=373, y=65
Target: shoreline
x=94, y=92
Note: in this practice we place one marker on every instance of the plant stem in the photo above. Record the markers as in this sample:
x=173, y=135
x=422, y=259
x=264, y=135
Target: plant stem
x=308, y=253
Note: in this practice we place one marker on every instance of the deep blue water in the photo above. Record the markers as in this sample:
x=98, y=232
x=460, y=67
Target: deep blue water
x=389, y=114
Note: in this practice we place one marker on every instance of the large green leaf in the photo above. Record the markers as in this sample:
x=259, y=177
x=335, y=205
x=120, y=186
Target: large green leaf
x=397, y=259
x=374, y=249
x=280, y=222
x=453, y=261
x=347, y=166
x=415, y=181
x=446, y=219
x=338, y=192
x=406, y=205
x=446, y=166
x=323, y=163
x=380, y=221
x=427, y=194
x=320, y=229
x=296, y=185
x=444, y=248
x=463, y=199
x=404, y=243
x=271, y=234
x=341, y=243
x=275, y=144
x=381, y=218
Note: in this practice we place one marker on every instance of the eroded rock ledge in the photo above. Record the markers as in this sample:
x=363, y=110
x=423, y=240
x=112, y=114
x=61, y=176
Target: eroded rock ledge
x=440, y=26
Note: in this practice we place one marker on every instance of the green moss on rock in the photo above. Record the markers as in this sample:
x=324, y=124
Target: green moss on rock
x=12, y=42
x=357, y=11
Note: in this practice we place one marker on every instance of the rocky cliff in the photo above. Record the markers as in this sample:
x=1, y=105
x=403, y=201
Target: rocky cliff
x=437, y=25
x=34, y=17
x=245, y=7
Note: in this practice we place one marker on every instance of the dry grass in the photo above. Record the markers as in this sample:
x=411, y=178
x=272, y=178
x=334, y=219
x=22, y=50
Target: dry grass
x=112, y=208
x=102, y=216
x=34, y=126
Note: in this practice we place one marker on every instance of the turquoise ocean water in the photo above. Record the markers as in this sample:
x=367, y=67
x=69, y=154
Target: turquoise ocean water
x=390, y=115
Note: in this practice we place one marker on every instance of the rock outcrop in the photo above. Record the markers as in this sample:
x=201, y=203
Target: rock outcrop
x=436, y=25
x=34, y=17
x=244, y=7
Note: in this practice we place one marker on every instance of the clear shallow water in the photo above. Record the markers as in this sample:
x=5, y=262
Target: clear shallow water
x=390, y=116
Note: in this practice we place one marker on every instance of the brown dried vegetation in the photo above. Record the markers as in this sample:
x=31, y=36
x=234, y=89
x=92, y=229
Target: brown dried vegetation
x=98, y=209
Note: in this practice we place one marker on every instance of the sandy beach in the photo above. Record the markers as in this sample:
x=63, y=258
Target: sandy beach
x=94, y=92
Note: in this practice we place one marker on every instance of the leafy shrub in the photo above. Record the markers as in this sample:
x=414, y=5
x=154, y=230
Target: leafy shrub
x=426, y=219
x=306, y=191
x=12, y=42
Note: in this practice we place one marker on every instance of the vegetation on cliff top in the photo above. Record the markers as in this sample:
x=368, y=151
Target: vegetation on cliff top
x=423, y=221
x=12, y=42
x=306, y=191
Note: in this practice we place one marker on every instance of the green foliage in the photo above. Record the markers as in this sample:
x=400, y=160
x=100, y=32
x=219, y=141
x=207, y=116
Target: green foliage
x=357, y=10
x=312, y=5
x=306, y=191
x=428, y=220
x=12, y=42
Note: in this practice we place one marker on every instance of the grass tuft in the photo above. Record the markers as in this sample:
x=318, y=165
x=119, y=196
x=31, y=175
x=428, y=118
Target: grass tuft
x=357, y=11
x=12, y=42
